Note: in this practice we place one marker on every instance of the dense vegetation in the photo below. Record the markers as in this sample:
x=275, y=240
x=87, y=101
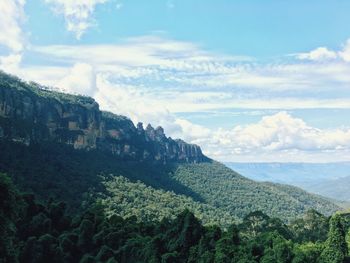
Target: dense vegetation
x=36, y=232
x=78, y=177
x=221, y=187
x=148, y=204
x=59, y=171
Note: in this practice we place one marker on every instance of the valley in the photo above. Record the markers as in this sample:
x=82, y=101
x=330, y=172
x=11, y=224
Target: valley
x=76, y=169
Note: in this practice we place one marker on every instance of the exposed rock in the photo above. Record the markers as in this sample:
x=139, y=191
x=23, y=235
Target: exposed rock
x=30, y=113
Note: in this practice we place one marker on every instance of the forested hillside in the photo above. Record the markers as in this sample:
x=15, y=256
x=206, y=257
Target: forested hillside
x=81, y=177
x=148, y=204
x=37, y=232
x=221, y=187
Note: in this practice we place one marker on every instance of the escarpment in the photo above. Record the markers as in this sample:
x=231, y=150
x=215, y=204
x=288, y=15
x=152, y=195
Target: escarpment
x=31, y=113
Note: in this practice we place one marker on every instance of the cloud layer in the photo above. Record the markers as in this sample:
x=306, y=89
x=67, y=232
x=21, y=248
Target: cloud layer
x=279, y=135
x=185, y=77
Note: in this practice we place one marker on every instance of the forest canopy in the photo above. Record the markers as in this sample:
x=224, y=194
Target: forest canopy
x=32, y=231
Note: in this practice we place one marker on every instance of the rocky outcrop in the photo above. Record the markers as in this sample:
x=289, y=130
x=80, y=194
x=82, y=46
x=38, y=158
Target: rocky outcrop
x=30, y=113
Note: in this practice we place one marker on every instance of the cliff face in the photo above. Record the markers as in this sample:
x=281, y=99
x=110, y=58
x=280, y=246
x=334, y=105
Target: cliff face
x=29, y=113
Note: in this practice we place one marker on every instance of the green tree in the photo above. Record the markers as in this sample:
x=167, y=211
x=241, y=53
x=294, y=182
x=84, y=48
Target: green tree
x=307, y=252
x=254, y=224
x=9, y=205
x=312, y=227
x=277, y=249
x=184, y=232
x=335, y=249
x=226, y=247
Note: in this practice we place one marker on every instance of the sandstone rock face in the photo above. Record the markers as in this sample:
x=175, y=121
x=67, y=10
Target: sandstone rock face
x=29, y=113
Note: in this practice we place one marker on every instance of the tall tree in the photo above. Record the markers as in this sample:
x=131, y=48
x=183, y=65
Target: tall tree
x=336, y=248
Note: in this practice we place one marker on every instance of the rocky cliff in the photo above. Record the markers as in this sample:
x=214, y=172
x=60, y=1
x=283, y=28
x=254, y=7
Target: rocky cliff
x=31, y=113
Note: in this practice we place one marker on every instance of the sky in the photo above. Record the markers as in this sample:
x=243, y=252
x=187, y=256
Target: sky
x=248, y=81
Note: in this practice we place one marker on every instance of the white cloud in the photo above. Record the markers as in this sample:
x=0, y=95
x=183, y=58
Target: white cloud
x=180, y=76
x=284, y=132
x=77, y=13
x=321, y=53
x=80, y=80
x=157, y=59
x=138, y=51
x=192, y=132
x=12, y=15
x=324, y=54
x=131, y=102
x=278, y=136
x=11, y=63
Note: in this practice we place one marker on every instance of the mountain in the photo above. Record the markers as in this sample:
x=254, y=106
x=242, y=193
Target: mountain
x=32, y=113
x=62, y=146
x=327, y=179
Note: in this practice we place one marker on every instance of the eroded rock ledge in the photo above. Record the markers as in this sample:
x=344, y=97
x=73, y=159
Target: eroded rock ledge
x=29, y=112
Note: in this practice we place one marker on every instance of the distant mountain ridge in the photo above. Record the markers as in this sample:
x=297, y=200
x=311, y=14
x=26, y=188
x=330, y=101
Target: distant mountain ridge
x=291, y=173
x=29, y=112
x=337, y=188
x=328, y=179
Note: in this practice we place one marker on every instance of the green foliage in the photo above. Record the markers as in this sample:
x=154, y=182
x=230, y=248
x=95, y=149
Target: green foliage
x=307, y=252
x=221, y=187
x=257, y=223
x=45, y=233
x=311, y=227
x=277, y=249
x=336, y=248
x=9, y=206
x=213, y=192
x=148, y=204
x=59, y=171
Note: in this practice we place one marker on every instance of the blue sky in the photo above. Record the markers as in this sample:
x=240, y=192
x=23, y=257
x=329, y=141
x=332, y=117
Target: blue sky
x=253, y=28
x=246, y=80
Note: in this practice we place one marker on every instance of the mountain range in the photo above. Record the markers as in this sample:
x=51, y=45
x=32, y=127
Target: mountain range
x=63, y=146
x=328, y=179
